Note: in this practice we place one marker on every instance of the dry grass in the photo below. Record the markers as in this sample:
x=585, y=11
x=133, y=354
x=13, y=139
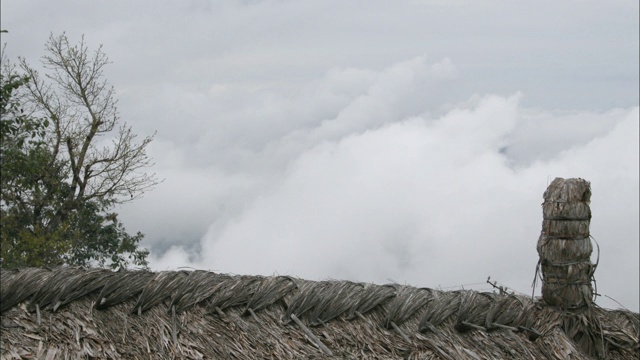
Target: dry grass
x=198, y=314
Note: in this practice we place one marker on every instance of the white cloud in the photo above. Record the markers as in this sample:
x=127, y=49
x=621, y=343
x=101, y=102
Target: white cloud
x=388, y=188
x=174, y=255
x=426, y=202
x=397, y=192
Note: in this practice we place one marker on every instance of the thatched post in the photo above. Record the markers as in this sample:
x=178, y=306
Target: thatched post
x=564, y=245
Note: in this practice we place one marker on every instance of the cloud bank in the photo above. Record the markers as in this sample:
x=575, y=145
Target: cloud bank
x=380, y=186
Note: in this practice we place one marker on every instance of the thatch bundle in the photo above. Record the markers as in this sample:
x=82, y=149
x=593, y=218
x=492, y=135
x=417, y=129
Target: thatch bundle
x=78, y=313
x=565, y=246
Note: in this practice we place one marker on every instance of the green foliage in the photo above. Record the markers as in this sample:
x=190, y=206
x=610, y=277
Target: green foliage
x=98, y=236
x=43, y=221
x=15, y=126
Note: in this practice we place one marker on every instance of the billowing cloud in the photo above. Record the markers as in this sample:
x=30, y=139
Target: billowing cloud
x=431, y=200
x=373, y=184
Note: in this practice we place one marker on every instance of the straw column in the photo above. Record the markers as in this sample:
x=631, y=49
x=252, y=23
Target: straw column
x=564, y=245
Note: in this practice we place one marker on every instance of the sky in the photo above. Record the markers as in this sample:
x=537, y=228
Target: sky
x=376, y=141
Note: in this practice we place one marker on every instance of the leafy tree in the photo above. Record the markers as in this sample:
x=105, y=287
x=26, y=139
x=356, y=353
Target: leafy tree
x=66, y=162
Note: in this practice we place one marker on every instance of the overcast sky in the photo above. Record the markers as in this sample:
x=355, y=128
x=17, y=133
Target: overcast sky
x=407, y=141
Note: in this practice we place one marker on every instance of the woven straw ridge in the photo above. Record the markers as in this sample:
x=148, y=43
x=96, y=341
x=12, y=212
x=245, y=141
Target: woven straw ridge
x=73, y=312
x=565, y=246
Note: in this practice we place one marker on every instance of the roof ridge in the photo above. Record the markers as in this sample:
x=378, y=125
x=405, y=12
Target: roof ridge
x=412, y=313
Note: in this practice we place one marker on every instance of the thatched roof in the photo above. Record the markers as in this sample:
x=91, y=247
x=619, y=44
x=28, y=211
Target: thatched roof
x=80, y=313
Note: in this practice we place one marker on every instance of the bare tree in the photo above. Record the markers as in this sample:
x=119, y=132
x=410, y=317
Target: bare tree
x=103, y=159
x=67, y=160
